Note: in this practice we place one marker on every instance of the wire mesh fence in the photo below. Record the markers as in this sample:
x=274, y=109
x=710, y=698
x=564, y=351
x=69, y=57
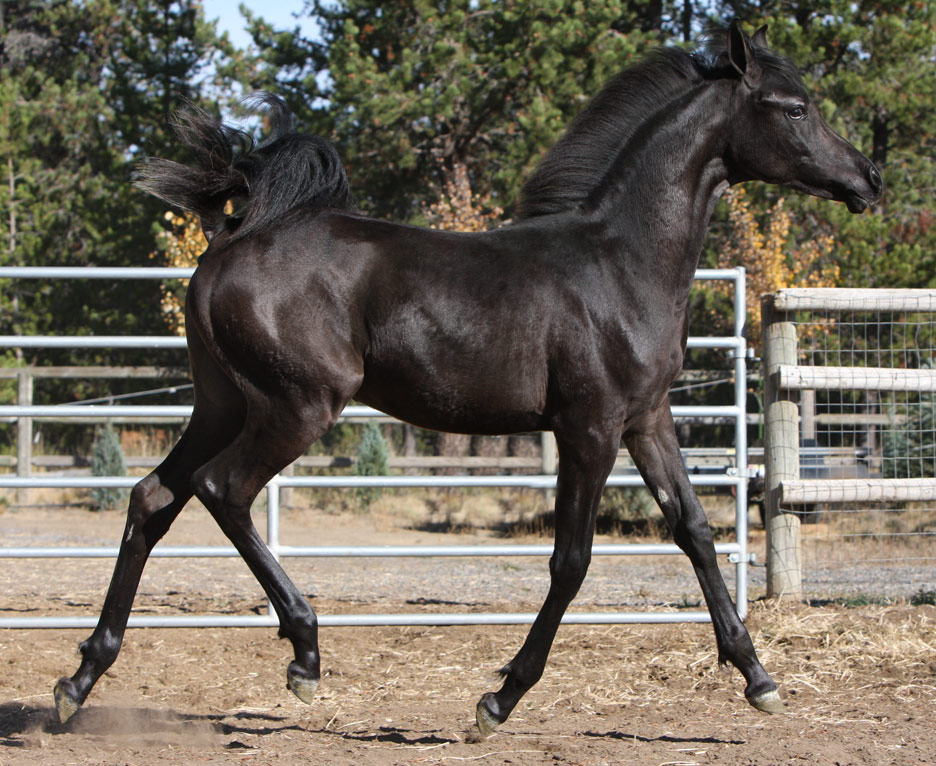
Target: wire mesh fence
x=865, y=371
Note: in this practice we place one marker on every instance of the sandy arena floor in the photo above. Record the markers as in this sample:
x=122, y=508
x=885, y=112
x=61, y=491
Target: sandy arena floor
x=860, y=684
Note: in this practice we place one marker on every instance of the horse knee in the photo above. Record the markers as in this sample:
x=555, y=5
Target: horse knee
x=692, y=530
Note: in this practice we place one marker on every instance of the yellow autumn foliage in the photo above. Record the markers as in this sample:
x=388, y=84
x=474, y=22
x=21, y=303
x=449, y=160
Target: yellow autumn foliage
x=460, y=209
x=771, y=258
x=184, y=242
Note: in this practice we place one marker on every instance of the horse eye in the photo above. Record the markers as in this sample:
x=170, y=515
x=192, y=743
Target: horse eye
x=797, y=113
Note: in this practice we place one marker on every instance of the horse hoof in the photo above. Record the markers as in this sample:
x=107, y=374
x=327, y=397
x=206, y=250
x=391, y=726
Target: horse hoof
x=65, y=703
x=768, y=702
x=304, y=688
x=486, y=722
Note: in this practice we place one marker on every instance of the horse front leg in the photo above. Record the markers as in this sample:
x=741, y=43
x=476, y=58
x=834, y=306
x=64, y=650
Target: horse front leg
x=585, y=460
x=655, y=451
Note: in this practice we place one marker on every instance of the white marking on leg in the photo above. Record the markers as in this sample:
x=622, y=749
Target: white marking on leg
x=663, y=496
x=129, y=533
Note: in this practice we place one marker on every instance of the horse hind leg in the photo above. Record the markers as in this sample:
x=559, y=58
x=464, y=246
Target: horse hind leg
x=154, y=504
x=276, y=432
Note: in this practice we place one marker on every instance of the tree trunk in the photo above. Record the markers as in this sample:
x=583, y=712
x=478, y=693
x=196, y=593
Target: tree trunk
x=453, y=445
x=489, y=446
x=525, y=445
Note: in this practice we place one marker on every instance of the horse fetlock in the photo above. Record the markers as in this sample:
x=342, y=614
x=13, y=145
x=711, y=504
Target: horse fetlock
x=301, y=682
x=299, y=625
x=100, y=650
x=67, y=699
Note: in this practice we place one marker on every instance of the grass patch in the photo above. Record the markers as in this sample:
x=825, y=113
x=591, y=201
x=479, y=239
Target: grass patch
x=861, y=600
x=923, y=597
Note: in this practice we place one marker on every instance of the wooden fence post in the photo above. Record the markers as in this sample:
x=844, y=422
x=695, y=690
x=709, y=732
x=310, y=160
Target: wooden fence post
x=24, y=433
x=781, y=447
x=287, y=494
x=550, y=462
x=807, y=409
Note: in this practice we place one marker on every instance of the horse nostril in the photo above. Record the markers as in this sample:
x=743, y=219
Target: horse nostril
x=875, y=181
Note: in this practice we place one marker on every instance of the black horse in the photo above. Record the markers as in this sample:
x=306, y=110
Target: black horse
x=572, y=319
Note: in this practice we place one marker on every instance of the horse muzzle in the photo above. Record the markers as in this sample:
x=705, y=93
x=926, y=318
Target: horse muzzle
x=859, y=201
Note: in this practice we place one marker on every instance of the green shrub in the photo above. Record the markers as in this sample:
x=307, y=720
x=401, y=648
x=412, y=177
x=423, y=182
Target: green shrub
x=627, y=504
x=908, y=439
x=373, y=459
x=107, y=459
x=924, y=597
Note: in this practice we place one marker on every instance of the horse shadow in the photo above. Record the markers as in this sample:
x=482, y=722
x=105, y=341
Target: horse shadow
x=394, y=735
x=19, y=722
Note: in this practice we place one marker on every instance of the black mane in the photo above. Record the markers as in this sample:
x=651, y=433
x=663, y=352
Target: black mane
x=588, y=149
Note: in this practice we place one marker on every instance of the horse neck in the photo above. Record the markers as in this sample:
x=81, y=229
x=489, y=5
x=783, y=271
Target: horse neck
x=660, y=193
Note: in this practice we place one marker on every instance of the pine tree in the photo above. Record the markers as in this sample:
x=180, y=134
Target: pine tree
x=373, y=459
x=84, y=90
x=416, y=91
x=908, y=447
x=107, y=459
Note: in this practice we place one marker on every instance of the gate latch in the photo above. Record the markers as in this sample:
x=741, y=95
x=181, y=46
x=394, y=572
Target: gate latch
x=735, y=558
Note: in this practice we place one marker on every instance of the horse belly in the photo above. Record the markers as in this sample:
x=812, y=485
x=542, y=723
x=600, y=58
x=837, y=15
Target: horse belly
x=464, y=397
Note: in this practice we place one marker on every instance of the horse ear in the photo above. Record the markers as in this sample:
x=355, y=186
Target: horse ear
x=741, y=54
x=759, y=38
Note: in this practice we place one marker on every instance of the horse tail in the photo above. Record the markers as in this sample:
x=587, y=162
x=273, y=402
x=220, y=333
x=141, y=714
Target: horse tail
x=263, y=181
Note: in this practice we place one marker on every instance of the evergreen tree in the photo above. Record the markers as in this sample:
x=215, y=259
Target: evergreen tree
x=907, y=445
x=870, y=68
x=416, y=91
x=373, y=459
x=158, y=61
x=84, y=90
x=107, y=459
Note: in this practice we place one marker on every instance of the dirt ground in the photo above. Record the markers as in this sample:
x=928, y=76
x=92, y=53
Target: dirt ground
x=859, y=683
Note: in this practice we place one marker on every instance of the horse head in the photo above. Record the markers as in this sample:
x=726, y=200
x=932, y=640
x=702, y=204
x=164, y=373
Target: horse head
x=777, y=134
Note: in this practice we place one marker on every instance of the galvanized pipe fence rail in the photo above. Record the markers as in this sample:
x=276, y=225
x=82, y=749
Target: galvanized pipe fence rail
x=735, y=478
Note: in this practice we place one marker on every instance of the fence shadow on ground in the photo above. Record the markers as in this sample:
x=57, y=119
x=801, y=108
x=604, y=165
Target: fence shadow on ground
x=663, y=738
x=544, y=524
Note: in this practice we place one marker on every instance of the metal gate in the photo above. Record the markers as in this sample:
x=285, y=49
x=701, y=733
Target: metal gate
x=736, y=478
